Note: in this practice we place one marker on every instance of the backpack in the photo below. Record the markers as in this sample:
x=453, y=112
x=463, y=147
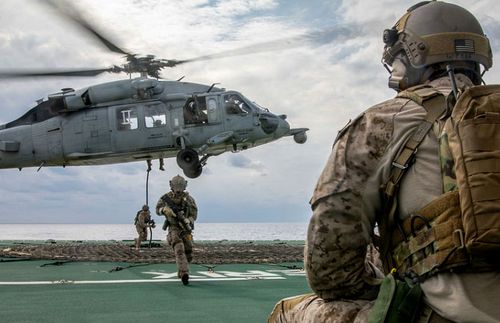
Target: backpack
x=472, y=133
x=462, y=226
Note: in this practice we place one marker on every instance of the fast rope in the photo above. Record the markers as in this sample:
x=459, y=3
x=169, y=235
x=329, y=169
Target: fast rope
x=16, y=259
x=210, y=268
x=287, y=266
x=147, y=181
x=120, y=268
x=56, y=263
x=147, y=199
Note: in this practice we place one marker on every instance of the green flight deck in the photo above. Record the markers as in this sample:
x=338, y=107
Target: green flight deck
x=90, y=291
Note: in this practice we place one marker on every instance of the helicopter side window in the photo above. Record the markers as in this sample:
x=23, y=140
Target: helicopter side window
x=195, y=111
x=155, y=116
x=212, y=110
x=234, y=104
x=127, y=118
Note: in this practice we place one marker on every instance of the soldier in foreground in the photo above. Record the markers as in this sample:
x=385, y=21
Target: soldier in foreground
x=180, y=212
x=142, y=223
x=402, y=165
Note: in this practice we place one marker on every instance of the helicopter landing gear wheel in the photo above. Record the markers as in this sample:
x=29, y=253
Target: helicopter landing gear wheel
x=189, y=160
x=193, y=172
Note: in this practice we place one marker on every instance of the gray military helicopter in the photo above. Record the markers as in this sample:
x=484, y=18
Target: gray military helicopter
x=143, y=118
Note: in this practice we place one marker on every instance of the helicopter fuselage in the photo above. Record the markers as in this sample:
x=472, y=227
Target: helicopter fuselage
x=138, y=119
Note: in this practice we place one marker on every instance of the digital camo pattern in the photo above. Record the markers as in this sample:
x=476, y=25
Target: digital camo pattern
x=180, y=241
x=185, y=202
x=339, y=230
x=143, y=218
x=347, y=202
x=182, y=245
x=141, y=225
x=310, y=308
x=347, y=199
x=339, y=269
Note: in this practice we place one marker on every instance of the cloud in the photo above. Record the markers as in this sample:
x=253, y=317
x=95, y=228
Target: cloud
x=321, y=83
x=240, y=161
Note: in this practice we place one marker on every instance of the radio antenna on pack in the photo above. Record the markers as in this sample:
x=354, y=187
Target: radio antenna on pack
x=451, y=74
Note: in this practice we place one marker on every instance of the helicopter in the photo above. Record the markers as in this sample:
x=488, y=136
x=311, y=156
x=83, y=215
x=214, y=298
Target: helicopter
x=135, y=119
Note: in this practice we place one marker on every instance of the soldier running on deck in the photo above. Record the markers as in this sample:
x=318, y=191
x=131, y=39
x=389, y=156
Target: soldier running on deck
x=180, y=211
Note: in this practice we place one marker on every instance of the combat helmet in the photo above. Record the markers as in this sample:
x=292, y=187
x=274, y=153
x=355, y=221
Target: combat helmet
x=178, y=183
x=431, y=35
x=145, y=208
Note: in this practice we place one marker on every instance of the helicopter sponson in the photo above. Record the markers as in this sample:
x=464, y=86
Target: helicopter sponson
x=139, y=119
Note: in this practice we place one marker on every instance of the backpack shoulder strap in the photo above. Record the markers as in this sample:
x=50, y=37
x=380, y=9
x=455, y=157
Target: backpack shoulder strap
x=419, y=93
x=434, y=103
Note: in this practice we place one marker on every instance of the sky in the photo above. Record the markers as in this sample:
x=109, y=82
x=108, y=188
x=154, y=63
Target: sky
x=320, y=83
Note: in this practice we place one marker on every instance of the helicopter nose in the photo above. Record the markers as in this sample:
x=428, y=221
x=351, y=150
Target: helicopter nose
x=269, y=122
x=272, y=124
x=283, y=128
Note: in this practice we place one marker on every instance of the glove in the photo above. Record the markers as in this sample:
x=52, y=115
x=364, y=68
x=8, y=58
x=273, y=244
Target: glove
x=187, y=222
x=166, y=211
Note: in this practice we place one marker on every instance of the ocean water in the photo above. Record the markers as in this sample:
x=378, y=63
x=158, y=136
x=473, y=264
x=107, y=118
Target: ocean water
x=203, y=231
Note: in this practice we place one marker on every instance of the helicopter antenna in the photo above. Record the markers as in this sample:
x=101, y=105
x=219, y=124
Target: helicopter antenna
x=451, y=74
x=41, y=165
x=211, y=87
x=181, y=78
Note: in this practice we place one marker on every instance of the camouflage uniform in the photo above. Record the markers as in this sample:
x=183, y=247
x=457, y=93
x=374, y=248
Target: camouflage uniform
x=141, y=225
x=180, y=240
x=346, y=204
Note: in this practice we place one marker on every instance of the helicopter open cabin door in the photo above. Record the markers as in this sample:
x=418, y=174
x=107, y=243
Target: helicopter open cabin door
x=239, y=118
x=140, y=128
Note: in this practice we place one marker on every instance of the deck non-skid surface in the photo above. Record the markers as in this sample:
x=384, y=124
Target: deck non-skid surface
x=49, y=291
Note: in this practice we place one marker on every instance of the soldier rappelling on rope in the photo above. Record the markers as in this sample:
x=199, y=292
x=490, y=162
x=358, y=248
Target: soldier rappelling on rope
x=143, y=222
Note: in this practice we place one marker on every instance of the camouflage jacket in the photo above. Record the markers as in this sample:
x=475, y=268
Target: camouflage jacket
x=185, y=202
x=347, y=202
x=142, y=219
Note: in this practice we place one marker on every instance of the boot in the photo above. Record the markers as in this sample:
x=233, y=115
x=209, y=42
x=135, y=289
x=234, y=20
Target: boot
x=185, y=278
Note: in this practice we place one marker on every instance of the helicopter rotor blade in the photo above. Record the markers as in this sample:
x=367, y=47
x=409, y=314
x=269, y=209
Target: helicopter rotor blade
x=48, y=73
x=315, y=37
x=68, y=11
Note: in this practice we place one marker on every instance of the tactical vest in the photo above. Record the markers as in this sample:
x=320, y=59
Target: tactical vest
x=459, y=230
x=181, y=205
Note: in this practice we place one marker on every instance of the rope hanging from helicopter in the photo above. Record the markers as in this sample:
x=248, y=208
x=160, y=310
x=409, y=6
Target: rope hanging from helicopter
x=147, y=182
x=147, y=198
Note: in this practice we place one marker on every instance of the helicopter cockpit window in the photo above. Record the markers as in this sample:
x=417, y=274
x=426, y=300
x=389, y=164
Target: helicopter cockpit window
x=234, y=104
x=195, y=111
x=155, y=116
x=127, y=118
